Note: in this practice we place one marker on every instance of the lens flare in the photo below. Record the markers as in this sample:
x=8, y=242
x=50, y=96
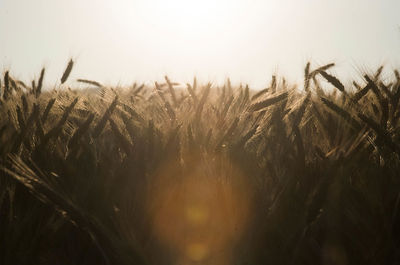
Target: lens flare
x=200, y=209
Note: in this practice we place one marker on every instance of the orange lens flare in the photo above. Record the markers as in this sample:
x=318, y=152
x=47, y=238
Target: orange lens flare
x=201, y=214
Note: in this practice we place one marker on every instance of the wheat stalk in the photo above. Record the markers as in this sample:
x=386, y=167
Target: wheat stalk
x=123, y=141
x=38, y=90
x=343, y=113
x=73, y=142
x=47, y=109
x=90, y=82
x=307, y=77
x=268, y=102
x=67, y=71
x=171, y=91
x=333, y=80
x=102, y=122
x=6, y=92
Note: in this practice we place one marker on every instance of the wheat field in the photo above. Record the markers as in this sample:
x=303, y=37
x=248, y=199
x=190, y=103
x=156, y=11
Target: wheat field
x=201, y=174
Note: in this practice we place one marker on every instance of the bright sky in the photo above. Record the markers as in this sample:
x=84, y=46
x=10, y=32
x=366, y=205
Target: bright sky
x=120, y=41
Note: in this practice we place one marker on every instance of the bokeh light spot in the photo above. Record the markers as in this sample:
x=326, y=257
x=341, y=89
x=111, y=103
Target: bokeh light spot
x=197, y=251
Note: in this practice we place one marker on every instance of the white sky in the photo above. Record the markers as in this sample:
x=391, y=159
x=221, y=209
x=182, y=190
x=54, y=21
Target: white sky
x=121, y=41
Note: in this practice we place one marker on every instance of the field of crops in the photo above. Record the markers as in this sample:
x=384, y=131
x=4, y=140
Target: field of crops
x=200, y=174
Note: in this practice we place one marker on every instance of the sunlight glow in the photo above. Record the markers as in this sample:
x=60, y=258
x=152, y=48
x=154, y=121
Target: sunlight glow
x=183, y=16
x=190, y=16
x=126, y=41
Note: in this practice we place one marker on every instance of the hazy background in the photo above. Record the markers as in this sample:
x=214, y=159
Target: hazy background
x=117, y=42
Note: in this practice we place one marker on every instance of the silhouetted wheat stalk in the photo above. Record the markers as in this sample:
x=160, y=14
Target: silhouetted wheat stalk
x=67, y=71
x=90, y=82
x=38, y=89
